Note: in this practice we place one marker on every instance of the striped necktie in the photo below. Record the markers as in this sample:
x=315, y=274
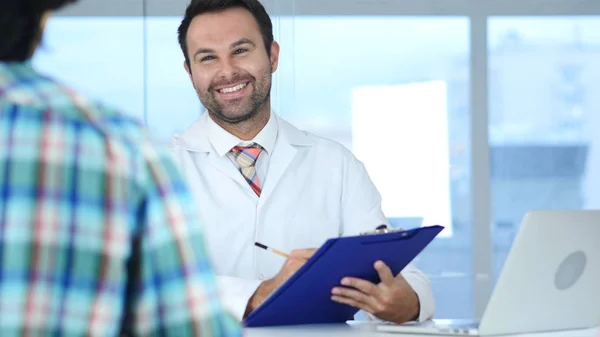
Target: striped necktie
x=246, y=157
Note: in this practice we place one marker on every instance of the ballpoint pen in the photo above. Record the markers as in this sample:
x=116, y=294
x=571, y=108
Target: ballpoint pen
x=280, y=253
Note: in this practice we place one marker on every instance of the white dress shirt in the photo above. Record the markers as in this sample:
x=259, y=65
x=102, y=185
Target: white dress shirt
x=313, y=189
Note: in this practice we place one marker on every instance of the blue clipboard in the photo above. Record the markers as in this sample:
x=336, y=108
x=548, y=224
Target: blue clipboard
x=306, y=297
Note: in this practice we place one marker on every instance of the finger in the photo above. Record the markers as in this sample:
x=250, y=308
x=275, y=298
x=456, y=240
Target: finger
x=361, y=285
x=352, y=303
x=385, y=273
x=294, y=263
x=303, y=253
x=290, y=267
x=354, y=295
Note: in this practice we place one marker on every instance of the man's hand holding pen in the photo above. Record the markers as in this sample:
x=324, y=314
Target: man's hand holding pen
x=295, y=260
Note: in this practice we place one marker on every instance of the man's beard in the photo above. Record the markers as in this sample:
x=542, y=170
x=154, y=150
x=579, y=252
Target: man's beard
x=240, y=110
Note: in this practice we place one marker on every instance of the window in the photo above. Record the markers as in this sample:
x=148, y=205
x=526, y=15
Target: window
x=332, y=71
x=544, y=131
x=376, y=84
x=172, y=102
x=99, y=56
x=347, y=79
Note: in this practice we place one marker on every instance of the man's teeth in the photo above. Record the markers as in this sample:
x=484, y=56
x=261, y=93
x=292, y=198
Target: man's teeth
x=233, y=89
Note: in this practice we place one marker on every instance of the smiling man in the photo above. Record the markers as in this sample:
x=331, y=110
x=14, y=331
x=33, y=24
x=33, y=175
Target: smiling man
x=258, y=178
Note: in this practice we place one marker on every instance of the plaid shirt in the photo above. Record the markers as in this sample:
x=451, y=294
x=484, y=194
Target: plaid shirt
x=96, y=225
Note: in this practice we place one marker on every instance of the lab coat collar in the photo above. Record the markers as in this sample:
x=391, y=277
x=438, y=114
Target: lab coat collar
x=195, y=138
x=224, y=141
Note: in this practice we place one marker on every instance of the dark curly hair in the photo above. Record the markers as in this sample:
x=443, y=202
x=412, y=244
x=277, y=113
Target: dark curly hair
x=20, y=26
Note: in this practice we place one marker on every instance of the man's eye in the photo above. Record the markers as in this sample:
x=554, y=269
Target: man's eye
x=240, y=51
x=207, y=58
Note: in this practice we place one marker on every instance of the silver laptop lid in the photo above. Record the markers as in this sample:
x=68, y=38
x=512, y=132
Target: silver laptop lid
x=551, y=278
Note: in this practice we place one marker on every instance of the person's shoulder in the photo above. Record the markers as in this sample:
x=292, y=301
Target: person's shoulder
x=107, y=120
x=38, y=95
x=321, y=144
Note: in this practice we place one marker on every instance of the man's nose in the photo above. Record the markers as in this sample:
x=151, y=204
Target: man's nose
x=227, y=69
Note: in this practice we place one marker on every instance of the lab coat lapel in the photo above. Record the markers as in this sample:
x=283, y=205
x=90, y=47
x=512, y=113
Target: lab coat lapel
x=225, y=166
x=283, y=155
x=195, y=139
x=289, y=141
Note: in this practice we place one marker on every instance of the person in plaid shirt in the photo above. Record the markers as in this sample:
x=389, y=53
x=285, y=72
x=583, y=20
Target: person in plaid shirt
x=98, y=234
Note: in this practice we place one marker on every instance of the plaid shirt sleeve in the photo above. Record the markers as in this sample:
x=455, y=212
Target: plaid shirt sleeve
x=176, y=292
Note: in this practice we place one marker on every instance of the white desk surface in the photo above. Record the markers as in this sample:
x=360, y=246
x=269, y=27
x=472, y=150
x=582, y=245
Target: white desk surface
x=368, y=330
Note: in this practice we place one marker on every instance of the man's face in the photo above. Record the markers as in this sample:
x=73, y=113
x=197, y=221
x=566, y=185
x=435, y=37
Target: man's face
x=229, y=65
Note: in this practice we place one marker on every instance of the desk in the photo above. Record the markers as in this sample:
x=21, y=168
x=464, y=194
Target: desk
x=368, y=330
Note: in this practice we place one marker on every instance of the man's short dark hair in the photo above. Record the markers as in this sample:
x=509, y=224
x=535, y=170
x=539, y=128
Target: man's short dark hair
x=20, y=29
x=198, y=7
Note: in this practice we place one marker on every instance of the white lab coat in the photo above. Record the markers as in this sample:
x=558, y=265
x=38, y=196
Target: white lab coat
x=315, y=190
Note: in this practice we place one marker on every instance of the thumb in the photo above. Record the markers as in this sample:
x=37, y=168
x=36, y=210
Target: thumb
x=385, y=273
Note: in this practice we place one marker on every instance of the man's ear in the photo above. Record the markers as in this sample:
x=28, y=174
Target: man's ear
x=274, y=57
x=44, y=20
x=187, y=69
x=38, y=39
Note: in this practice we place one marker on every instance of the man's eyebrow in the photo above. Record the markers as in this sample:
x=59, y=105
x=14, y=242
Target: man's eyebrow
x=203, y=51
x=231, y=46
x=241, y=42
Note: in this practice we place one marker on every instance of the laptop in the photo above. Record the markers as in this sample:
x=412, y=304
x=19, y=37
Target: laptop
x=550, y=281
